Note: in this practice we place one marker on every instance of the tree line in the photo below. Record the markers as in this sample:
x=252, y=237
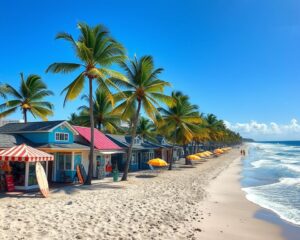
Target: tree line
x=115, y=96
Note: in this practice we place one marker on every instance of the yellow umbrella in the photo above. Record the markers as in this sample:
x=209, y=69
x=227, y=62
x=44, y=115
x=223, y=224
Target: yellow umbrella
x=193, y=157
x=207, y=154
x=202, y=154
x=157, y=162
x=218, y=151
x=199, y=154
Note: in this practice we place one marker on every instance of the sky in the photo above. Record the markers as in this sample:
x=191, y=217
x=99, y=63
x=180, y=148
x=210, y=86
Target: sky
x=238, y=59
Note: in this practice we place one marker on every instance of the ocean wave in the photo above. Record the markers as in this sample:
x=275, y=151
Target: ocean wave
x=280, y=197
x=290, y=181
x=293, y=167
x=262, y=163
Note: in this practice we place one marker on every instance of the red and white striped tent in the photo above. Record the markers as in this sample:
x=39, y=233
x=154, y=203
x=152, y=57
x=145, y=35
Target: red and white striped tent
x=24, y=153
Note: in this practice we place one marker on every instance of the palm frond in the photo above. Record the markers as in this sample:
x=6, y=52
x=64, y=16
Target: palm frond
x=74, y=89
x=63, y=67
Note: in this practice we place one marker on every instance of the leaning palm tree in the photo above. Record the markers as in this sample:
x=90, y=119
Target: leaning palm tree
x=144, y=91
x=104, y=119
x=96, y=50
x=29, y=98
x=180, y=122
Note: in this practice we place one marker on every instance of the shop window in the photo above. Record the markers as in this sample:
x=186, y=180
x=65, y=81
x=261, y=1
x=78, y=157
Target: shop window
x=32, y=176
x=64, y=137
x=134, y=159
x=64, y=161
x=137, y=140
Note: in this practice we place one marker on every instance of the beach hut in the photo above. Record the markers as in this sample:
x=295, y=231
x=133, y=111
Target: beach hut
x=18, y=165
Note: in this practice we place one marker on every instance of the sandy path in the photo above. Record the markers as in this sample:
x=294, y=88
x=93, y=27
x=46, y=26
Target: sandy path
x=167, y=206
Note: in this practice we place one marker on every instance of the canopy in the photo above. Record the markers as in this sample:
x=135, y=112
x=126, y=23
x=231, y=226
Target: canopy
x=193, y=157
x=218, y=151
x=157, y=162
x=24, y=153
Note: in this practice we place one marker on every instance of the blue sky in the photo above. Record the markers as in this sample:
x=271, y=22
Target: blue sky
x=238, y=59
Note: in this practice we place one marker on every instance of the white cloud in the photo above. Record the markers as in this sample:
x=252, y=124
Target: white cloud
x=267, y=131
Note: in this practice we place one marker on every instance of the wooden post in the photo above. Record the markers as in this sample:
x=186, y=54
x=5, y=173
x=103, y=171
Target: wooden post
x=26, y=174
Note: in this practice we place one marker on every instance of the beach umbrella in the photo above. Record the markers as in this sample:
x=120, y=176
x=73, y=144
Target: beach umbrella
x=193, y=157
x=202, y=154
x=218, y=151
x=207, y=154
x=157, y=162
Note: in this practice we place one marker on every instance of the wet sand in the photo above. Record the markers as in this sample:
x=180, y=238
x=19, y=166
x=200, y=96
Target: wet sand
x=232, y=216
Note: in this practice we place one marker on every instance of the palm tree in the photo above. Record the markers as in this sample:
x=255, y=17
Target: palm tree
x=215, y=127
x=146, y=129
x=104, y=119
x=180, y=122
x=144, y=91
x=96, y=50
x=29, y=98
x=76, y=119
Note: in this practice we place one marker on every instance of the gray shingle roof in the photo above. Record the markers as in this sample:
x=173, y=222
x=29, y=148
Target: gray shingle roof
x=11, y=140
x=29, y=127
x=124, y=141
x=64, y=146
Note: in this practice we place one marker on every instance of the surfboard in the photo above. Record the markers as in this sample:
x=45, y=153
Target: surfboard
x=80, y=178
x=42, y=179
x=83, y=172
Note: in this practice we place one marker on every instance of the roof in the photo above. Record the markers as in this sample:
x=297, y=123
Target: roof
x=124, y=141
x=24, y=153
x=11, y=140
x=65, y=146
x=162, y=141
x=101, y=142
x=43, y=126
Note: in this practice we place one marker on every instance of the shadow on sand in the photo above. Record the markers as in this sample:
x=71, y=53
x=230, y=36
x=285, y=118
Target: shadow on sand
x=60, y=188
x=76, y=188
x=146, y=176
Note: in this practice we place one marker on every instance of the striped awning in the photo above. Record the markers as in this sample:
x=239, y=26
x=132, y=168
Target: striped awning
x=24, y=153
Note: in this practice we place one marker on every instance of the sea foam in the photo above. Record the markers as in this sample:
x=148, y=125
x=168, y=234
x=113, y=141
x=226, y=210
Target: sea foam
x=275, y=171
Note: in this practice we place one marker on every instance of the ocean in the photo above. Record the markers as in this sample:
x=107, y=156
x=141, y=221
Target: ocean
x=271, y=177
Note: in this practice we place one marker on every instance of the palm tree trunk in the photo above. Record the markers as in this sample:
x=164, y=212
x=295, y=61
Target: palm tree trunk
x=187, y=162
x=133, y=134
x=91, y=155
x=171, y=162
x=25, y=115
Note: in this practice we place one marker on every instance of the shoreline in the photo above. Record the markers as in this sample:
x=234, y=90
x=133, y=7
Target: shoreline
x=198, y=202
x=232, y=215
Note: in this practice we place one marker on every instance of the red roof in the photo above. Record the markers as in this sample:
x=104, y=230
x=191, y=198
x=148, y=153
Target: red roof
x=24, y=153
x=101, y=141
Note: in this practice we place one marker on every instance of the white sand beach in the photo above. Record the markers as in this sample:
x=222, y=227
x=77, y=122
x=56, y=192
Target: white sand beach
x=186, y=203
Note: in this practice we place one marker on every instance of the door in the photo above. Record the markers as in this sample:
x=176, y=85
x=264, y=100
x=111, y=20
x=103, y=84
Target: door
x=77, y=159
x=50, y=171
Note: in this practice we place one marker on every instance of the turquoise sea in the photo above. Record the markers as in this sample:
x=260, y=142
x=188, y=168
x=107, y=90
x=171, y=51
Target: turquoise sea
x=271, y=178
